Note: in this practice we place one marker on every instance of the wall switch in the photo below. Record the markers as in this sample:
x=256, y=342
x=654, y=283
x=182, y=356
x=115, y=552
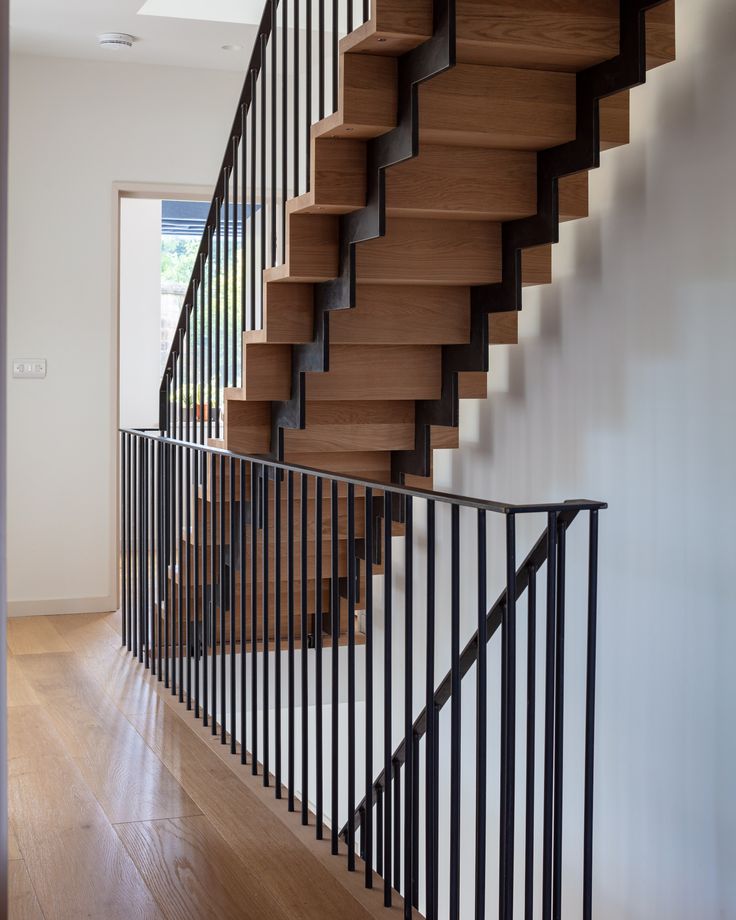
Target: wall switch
x=30, y=368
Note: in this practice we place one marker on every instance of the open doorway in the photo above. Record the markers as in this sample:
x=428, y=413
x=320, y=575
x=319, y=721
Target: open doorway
x=158, y=241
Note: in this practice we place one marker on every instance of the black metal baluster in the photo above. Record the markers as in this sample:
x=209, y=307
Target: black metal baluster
x=204, y=388
x=549, y=716
x=396, y=770
x=379, y=830
x=274, y=117
x=206, y=590
x=334, y=660
x=197, y=600
x=180, y=609
x=244, y=266
x=455, y=719
x=335, y=58
x=277, y=629
x=296, y=91
x=235, y=325
x=366, y=10
x=531, y=692
x=243, y=611
x=367, y=824
x=226, y=282
x=388, y=691
x=187, y=560
x=350, y=15
x=170, y=573
x=211, y=381
x=559, y=726
x=508, y=695
x=160, y=553
x=290, y=636
x=590, y=716
x=304, y=637
x=255, y=473
x=308, y=98
x=431, y=739
x=321, y=58
x=318, y=628
x=482, y=727
x=351, y=677
x=145, y=504
x=187, y=394
x=223, y=601
x=409, y=842
x=252, y=221
x=266, y=632
x=231, y=594
x=125, y=542
x=218, y=316
x=263, y=180
x=284, y=121
x=215, y=593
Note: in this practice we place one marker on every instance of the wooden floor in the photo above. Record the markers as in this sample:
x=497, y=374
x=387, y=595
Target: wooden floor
x=122, y=807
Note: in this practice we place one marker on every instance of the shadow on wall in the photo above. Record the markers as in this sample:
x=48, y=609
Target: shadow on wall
x=622, y=389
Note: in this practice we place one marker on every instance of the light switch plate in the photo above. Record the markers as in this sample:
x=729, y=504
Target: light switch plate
x=30, y=368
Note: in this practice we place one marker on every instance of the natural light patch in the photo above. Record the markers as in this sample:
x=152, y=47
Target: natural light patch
x=241, y=11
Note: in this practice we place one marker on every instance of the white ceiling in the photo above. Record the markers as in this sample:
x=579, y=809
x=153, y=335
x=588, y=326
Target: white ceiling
x=69, y=28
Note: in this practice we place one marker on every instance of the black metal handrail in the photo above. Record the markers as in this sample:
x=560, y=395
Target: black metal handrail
x=266, y=161
x=242, y=582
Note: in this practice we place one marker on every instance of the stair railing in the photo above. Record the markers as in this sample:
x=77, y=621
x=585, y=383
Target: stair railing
x=291, y=81
x=320, y=624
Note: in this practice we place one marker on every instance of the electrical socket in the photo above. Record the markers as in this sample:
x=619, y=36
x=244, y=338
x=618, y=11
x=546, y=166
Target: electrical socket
x=30, y=368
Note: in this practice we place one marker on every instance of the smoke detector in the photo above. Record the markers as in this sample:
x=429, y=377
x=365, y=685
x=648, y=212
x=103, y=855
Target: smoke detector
x=115, y=40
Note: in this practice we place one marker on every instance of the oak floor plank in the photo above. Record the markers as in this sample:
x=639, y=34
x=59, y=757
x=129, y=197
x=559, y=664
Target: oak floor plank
x=125, y=775
x=194, y=874
x=20, y=692
x=22, y=901
x=76, y=862
x=87, y=634
x=13, y=848
x=34, y=636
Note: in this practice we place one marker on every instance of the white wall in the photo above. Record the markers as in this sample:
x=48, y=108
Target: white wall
x=140, y=311
x=622, y=388
x=77, y=128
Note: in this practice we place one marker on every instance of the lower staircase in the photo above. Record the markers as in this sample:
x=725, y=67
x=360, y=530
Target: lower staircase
x=395, y=177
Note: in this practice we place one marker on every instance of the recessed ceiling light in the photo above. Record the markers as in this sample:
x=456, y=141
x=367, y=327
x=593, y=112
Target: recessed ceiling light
x=232, y=47
x=115, y=40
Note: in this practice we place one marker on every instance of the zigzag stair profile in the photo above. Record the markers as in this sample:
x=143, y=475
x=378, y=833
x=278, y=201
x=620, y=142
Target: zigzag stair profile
x=436, y=192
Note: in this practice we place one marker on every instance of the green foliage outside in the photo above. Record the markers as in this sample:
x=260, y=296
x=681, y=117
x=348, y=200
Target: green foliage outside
x=177, y=258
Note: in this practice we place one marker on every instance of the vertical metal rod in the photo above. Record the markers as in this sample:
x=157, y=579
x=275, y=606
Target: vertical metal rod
x=188, y=559
x=335, y=58
x=284, y=121
x=396, y=769
x=218, y=315
x=266, y=632
x=264, y=113
x=170, y=573
x=204, y=388
x=290, y=636
x=321, y=58
x=244, y=267
x=180, y=608
x=334, y=660
x=206, y=586
x=235, y=325
x=274, y=117
x=255, y=477
x=351, y=677
x=481, y=711
x=253, y=179
x=125, y=536
x=531, y=692
x=231, y=596
x=379, y=830
x=277, y=631
x=351, y=3
x=559, y=726
x=455, y=718
x=366, y=10
x=368, y=820
x=318, y=641
x=296, y=91
x=509, y=684
x=549, y=716
x=388, y=692
x=196, y=632
x=304, y=642
x=226, y=282
x=210, y=356
x=243, y=607
x=223, y=603
x=590, y=716
x=431, y=741
x=409, y=842
x=308, y=93
x=216, y=587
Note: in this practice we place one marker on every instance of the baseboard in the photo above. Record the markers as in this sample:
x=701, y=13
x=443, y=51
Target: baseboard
x=64, y=605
